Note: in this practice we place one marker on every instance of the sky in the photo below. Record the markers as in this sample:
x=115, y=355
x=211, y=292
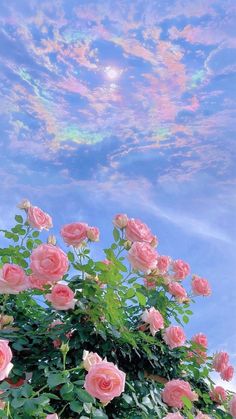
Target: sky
x=111, y=106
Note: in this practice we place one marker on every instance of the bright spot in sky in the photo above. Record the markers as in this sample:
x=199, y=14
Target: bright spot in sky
x=112, y=73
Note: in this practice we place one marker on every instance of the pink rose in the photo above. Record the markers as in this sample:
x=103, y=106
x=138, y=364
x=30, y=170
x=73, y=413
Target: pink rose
x=142, y=257
x=53, y=416
x=232, y=406
x=220, y=361
x=107, y=262
x=49, y=263
x=177, y=291
x=61, y=297
x=148, y=283
x=176, y=415
x=154, y=318
x=5, y=359
x=174, y=336
x=105, y=381
x=90, y=359
x=137, y=231
x=201, y=415
x=181, y=269
x=12, y=279
x=154, y=241
x=200, y=286
x=74, y=234
x=37, y=283
x=174, y=390
x=227, y=373
x=38, y=219
x=93, y=234
x=218, y=394
x=163, y=263
x=57, y=342
x=200, y=339
x=120, y=220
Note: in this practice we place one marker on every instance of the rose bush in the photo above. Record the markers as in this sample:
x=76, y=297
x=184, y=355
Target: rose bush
x=81, y=338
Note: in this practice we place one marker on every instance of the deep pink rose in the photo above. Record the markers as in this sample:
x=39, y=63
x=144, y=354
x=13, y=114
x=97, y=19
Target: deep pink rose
x=74, y=234
x=120, y=220
x=174, y=336
x=174, y=390
x=142, y=257
x=5, y=359
x=176, y=415
x=49, y=263
x=52, y=416
x=38, y=218
x=137, y=231
x=61, y=297
x=149, y=283
x=90, y=359
x=177, y=291
x=218, y=394
x=220, y=361
x=232, y=406
x=105, y=381
x=200, y=286
x=12, y=279
x=200, y=339
x=163, y=263
x=154, y=318
x=227, y=373
x=181, y=269
x=93, y=234
x=57, y=342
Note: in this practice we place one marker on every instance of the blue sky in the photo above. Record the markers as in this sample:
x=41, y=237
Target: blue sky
x=118, y=106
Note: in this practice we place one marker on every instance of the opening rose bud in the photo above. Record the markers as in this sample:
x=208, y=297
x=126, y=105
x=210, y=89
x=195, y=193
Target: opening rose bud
x=90, y=359
x=38, y=219
x=120, y=220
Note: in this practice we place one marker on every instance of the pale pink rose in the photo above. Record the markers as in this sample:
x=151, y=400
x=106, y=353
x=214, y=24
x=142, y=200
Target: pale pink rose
x=137, y=231
x=181, y=269
x=120, y=220
x=227, y=373
x=24, y=204
x=218, y=394
x=49, y=263
x=142, y=257
x=148, y=283
x=90, y=359
x=37, y=283
x=107, y=262
x=200, y=286
x=163, y=263
x=177, y=291
x=154, y=318
x=74, y=234
x=232, y=406
x=38, y=218
x=220, y=361
x=176, y=415
x=201, y=415
x=52, y=416
x=61, y=297
x=174, y=390
x=12, y=279
x=5, y=359
x=57, y=342
x=93, y=234
x=200, y=339
x=105, y=381
x=174, y=336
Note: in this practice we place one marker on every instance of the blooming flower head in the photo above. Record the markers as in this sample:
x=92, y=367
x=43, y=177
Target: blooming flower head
x=200, y=286
x=12, y=279
x=218, y=395
x=38, y=219
x=227, y=373
x=220, y=361
x=61, y=297
x=5, y=359
x=142, y=256
x=163, y=263
x=74, y=234
x=137, y=231
x=174, y=390
x=93, y=234
x=154, y=318
x=174, y=336
x=181, y=269
x=120, y=220
x=232, y=406
x=48, y=263
x=178, y=291
x=176, y=415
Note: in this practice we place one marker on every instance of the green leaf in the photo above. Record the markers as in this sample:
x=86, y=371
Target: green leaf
x=56, y=379
x=84, y=396
x=141, y=298
x=185, y=319
x=71, y=256
x=187, y=402
x=29, y=244
x=116, y=234
x=76, y=407
x=130, y=293
x=19, y=219
x=98, y=414
x=35, y=234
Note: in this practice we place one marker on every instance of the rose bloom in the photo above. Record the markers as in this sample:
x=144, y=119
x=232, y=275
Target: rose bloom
x=105, y=381
x=38, y=218
x=57, y=342
x=61, y=297
x=52, y=416
x=200, y=286
x=232, y=406
x=142, y=257
x=201, y=415
x=107, y=262
x=227, y=373
x=5, y=359
x=120, y=220
x=220, y=361
x=137, y=231
x=90, y=359
x=74, y=234
x=181, y=269
x=174, y=336
x=218, y=394
x=174, y=390
x=154, y=318
x=148, y=283
x=93, y=234
x=12, y=279
x=154, y=241
x=163, y=263
x=176, y=415
x=177, y=291
x=49, y=263
x=200, y=339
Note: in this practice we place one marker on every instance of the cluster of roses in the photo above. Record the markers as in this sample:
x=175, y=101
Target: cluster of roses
x=49, y=264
